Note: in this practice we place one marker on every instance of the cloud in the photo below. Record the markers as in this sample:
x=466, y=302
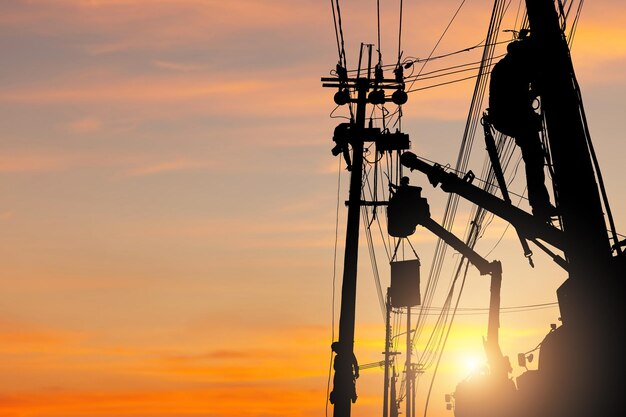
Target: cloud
x=7, y=215
x=36, y=162
x=179, y=66
x=234, y=399
x=21, y=337
x=85, y=125
x=41, y=160
x=220, y=354
x=175, y=165
x=142, y=89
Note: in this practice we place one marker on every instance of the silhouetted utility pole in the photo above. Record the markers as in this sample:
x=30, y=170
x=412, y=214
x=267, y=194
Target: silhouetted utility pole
x=409, y=370
x=356, y=134
x=585, y=356
x=387, y=354
x=578, y=199
x=348, y=290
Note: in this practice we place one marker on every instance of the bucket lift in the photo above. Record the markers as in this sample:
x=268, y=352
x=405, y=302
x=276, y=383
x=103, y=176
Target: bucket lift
x=406, y=210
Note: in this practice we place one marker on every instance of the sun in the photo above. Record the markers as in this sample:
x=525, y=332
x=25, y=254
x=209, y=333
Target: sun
x=472, y=364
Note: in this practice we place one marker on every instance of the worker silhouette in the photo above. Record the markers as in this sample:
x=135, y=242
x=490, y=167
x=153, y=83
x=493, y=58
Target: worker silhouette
x=406, y=208
x=511, y=112
x=404, y=182
x=341, y=137
x=346, y=372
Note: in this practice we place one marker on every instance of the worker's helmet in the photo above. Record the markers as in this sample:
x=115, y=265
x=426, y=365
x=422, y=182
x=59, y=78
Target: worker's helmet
x=513, y=47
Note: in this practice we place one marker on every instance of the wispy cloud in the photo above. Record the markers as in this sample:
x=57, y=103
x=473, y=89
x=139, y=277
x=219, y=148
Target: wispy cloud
x=22, y=336
x=85, y=125
x=175, y=165
x=36, y=162
x=6, y=215
x=179, y=66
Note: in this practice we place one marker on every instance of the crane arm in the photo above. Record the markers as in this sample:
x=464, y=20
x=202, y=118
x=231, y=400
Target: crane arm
x=497, y=362
x=521, y=220
x=484, y=267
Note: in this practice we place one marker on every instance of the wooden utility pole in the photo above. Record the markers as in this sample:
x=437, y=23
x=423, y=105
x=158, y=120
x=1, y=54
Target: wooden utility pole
x=356, y=134
x=348, y=289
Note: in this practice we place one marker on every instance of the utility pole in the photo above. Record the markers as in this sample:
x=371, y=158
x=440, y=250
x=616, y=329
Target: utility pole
x=409, y=370
x=578, y=200
x=356, y=134
x=348, y=290
x=387, y=356
x=585, y=357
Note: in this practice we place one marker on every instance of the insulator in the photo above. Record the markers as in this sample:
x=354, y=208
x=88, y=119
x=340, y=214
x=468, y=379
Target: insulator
x=378, y=71
x=376, y=97
x=399, y=97
x=342, y=97
x=399, y=73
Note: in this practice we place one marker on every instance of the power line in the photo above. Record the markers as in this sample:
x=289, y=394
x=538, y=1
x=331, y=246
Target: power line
x=440, y=38
x=342, y=53
x=332, y=5
x=400, y=34
x=332, y=338
x=520, y=307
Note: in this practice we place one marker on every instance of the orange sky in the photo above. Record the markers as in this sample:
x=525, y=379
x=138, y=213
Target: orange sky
x=167, y=201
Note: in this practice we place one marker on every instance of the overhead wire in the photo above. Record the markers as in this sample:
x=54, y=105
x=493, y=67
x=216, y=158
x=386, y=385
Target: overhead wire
x=463, y=158
x=575, y=24
x=524, y=307
x=332, y=337
x=483, y=69
x=471, y=77
x=441, y=247
x=432, y=380
x=400, y=34
x=372, y=253
x=342, y=54
x=596, y=164
x=332, y=5
x=410, y=60
x=371, y=249
x=378, y=28
x=441, y=38
x=449, y=68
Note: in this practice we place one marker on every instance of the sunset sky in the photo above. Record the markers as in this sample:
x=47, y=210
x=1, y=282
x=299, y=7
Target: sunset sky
x=168, y=197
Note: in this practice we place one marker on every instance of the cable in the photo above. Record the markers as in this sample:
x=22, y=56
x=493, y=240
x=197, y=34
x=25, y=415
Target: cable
x=400, y=34
x=372, y=253
x=422, y=78
x=332, y=337
x=332, y=4
x=572, y=32
x=445, y=83
x=462, y=161
x=412, y=60
x=501, y=236
x=378, y=28
x=596, y=164
x=432, y=381
x=440, y=38
x=526, y=307
x=343, y=48
x=449, y=68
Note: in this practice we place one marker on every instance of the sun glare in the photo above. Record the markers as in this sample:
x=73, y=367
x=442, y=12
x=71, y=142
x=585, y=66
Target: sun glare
x=472, y=364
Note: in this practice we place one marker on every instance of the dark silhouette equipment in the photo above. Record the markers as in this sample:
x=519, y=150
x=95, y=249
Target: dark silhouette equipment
x=511, y=112
x=535, y=99
x=405, y=283
x=581, y=364
x=353, y=136
x=491, y=392
x=346, y=373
